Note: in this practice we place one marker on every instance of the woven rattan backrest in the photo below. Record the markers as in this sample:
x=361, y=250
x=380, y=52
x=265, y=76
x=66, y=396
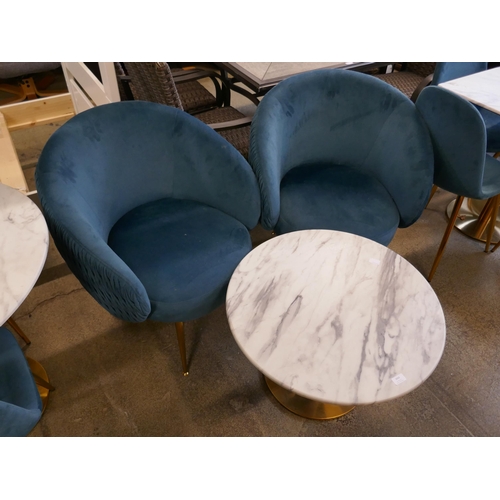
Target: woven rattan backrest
x=422, y=69
x=119, y=74
x=153, y=81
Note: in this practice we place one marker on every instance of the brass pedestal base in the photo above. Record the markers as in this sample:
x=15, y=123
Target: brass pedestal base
x=306, y=407
x=42, y=381
x=467, y=218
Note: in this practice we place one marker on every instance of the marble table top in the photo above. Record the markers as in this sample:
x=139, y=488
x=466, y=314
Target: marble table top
x=335, y=317
x=262, y=75
x=481, y=88
x=24, y=242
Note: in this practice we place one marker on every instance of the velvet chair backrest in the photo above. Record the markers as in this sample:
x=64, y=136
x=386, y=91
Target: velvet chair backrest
x=346, y=118
x=458, y=136
x=110, y=159
x=20, y=403
x=445, y=71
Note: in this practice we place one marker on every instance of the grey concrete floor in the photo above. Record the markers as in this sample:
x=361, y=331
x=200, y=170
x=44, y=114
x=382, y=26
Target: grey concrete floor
x=114, y=378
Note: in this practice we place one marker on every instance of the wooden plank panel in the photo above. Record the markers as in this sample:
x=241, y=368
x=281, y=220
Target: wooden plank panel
x=11, y=172
x=38, y=112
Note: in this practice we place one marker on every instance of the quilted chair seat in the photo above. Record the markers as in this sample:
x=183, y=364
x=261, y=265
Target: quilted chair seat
x=343, y=151
x=150, y=208
x=20, y=403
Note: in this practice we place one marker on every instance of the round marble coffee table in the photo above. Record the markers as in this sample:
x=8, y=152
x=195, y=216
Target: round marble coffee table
x=24, y=242
x=334, y=320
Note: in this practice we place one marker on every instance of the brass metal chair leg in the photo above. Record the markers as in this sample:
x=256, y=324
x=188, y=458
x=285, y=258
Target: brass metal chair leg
x=449, y=228
x=483, y=219
x=179, y=328
x=491, y=227
x=495, y=247
x=18, y=330
x=433, y=192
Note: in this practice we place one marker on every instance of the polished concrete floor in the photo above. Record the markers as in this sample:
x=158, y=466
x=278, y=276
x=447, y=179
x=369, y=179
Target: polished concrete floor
x=114, y=378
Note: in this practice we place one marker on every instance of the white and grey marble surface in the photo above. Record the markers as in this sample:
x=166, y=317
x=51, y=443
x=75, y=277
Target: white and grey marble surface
x=335, y=317
x=481, y=88
x=24, y=242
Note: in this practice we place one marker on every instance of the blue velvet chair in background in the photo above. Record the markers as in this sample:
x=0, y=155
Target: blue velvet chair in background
x=150, y=208
x=340, y=150
x=446, y=71
x=462, y=166
x=20, y=403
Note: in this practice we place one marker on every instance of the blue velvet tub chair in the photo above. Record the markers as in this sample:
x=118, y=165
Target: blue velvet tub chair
x=462, y=166
x=446, y=71
x=20, y=403
x=340, y=150
x=150, y=208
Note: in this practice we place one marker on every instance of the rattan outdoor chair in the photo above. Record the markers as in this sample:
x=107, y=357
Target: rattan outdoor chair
x=155, y=82
x=411, y=79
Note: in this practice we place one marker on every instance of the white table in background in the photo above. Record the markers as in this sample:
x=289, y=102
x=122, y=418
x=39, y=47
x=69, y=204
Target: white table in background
x=481, y=88
x=334, y=320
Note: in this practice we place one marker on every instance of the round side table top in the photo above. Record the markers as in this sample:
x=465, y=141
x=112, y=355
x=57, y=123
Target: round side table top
x=24, y=242
x=335, y=317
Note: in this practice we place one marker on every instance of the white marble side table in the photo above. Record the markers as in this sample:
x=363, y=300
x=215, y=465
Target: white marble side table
x=334, y=320
x=24, y=242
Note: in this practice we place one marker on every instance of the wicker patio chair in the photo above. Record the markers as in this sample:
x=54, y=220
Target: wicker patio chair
x=194, y=96
x=411, y=79
x=155, y=82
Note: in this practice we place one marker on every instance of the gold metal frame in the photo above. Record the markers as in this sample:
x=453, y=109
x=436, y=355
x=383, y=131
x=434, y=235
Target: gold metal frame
x=42, y=381
x=179, y=327
x=18, y=330
x=305, y=407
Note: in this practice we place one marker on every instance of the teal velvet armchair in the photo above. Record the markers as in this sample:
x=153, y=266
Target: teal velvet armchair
x=150, y=208
x=340, y=150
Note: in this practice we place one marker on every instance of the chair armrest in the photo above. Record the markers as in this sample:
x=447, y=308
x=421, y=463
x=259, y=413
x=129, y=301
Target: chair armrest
x=426, y=81
x=82, y=244
x=241, y=122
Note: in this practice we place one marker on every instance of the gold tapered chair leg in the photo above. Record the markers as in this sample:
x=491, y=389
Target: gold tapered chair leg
x=179, y=328
x=484, y=218
x=18, y=330
x=433, y=192
x=496, y=246
x=496, y=155
x=491, y=227
x=449, y=228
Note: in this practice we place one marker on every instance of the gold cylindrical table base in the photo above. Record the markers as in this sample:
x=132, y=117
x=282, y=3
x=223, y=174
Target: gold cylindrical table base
x=467, y=219
x=39, y=372
x=305, y=407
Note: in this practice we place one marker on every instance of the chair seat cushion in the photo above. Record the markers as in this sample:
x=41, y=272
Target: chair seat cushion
x=20, y=403
x=339, y=198
x=183, y=252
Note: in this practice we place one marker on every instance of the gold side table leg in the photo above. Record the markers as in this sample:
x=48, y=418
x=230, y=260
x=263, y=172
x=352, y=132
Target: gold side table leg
x=305, y=407
x=43, y=386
